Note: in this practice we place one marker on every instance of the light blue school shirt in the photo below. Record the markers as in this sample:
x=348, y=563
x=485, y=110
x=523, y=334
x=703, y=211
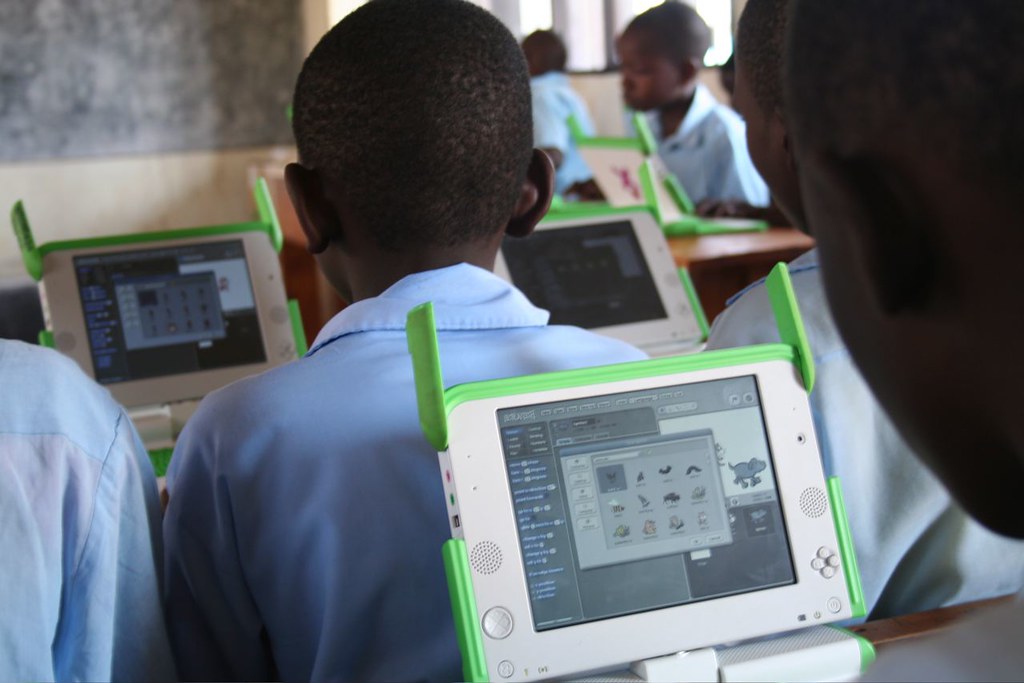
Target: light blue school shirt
x=708, y=152
x=306, y=511
x=554, y=101
x=916, y=548
x=79, y=530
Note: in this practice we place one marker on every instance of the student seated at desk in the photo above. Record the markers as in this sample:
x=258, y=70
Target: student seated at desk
x=554, y=101
x=699, y=139
x=80, y=547
x=910, y=173
x=916, y=548
x=306, y=513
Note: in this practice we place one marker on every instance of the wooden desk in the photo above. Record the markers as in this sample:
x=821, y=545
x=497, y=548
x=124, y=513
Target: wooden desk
x=884, y=632
x=721, y=265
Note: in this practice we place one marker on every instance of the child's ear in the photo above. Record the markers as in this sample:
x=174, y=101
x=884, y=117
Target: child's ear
x=534, y=197
x=894, y=230
x=316, y=215
x=688, y=70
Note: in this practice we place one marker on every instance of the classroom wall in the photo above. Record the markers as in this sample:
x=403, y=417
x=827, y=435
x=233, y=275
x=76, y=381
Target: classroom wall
x=67, y=199
x=137, y=115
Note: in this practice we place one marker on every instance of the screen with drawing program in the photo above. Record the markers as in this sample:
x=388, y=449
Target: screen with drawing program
x=589, y=276
x=635, y=501
x=170, y=310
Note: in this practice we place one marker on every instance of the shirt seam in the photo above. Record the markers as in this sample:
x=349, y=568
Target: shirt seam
x=92, y=513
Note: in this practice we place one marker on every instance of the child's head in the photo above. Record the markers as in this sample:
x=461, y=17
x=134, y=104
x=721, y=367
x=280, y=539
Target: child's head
x=661, y=53
x=905, y=118
x=758, y=99
x=544, y=51
x=415, y=137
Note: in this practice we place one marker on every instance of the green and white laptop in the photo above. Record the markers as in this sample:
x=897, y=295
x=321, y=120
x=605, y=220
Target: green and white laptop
x=630, y=174
x=645, y=516
x=161, y=319
x=611, y=273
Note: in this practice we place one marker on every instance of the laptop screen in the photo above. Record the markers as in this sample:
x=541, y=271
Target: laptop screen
x=170, y=310
x=635, y=501
x=589, y=276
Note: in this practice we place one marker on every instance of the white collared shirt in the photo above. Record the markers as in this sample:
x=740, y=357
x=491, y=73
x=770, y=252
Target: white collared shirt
x=708, y=152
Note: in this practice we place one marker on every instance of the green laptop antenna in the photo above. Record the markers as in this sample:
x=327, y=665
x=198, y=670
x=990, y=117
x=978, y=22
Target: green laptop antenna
x=575, y=129
x=648, y=143
x=679, y=194
x=268, y=216
x=789, y=321
x=30, y=254
x=421, y=336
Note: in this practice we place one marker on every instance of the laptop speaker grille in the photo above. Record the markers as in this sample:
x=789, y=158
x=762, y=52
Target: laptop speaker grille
x=485, y=557
x=813, y=502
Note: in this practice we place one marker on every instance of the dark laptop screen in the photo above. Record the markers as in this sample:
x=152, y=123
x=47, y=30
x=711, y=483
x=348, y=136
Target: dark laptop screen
x=589, y=276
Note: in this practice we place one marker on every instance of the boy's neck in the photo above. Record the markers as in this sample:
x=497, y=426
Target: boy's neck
x=671, y=115
x=369, y=277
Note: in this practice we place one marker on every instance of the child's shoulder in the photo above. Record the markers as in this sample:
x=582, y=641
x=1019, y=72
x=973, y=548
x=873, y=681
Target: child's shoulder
x=45, y=391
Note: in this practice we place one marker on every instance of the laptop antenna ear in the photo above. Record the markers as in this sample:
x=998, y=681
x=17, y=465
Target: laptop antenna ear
x=421, y=335
x=30, y=253
x=268, y=216
x=789, y=321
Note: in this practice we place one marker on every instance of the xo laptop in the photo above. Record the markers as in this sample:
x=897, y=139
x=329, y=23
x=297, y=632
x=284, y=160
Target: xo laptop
x=645, y=515
x=162, y=319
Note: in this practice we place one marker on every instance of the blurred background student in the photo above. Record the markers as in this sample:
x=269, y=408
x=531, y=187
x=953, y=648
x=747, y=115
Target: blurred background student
x=700, y=139
x=554, y=101
x=80, y=545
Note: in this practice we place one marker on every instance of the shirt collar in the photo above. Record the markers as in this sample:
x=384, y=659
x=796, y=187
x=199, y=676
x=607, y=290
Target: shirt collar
x=554, y=77
x=465, y=297
x=805, y=261
x=703, y=104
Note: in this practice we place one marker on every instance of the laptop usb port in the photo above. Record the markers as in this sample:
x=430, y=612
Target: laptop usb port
x=456, y=522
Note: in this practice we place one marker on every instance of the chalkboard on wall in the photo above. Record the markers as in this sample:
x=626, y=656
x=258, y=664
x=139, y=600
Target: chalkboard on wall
x=82, y=78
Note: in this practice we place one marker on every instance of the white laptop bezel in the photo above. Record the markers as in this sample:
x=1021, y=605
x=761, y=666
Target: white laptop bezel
x=71, y=338
x=486, y=511
x=680, y=328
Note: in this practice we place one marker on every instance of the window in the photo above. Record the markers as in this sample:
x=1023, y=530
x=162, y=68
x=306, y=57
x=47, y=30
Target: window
x=588, y=27
x=534, y=16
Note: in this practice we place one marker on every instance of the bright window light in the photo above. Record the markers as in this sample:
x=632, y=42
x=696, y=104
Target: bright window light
x=534, y=16
x=339, y=9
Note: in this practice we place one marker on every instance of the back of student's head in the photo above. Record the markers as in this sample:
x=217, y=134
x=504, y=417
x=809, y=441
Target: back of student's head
x=760, y=35
x=544, y=52
x=673, y=30
x=906, y=118
x=419, y=112
x=942, y=78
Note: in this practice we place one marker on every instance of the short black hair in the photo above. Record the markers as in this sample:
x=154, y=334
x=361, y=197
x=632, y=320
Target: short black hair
x=551, y=49
x=420, y=111
x=943, y=77
x=759, y=43
x=675, y=30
